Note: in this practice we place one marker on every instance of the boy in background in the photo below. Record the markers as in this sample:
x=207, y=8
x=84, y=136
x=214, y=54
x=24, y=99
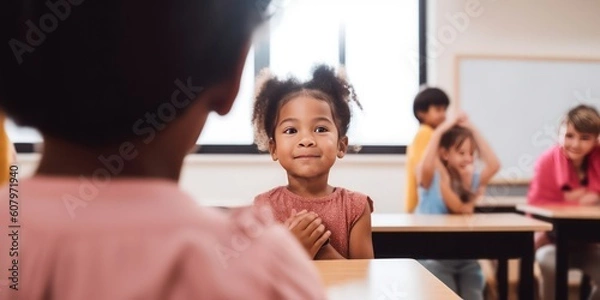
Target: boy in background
x=429, y=107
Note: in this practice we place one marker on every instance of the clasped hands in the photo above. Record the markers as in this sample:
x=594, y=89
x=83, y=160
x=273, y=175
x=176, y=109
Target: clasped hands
x=308, y=229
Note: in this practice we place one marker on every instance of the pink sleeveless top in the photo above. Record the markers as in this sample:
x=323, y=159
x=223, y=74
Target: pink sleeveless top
x=339, y=211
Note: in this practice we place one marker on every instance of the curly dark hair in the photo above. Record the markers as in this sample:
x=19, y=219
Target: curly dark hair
x=273, y=93
x=102, y=65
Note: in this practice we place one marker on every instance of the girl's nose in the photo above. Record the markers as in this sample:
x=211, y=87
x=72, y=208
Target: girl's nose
x=306, y=141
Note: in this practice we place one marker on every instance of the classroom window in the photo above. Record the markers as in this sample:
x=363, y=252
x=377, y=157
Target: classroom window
x=376, y=40
x=305, y=34
x=235, y=127
x=384, y=68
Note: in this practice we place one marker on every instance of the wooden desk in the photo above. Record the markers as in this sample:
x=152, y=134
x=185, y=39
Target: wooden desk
x=494, y=236
x=491, y=204
x=571, y=224
x=562, y=211
x=381, y=279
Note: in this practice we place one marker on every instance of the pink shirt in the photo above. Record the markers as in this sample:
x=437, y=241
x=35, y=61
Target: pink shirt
x=339, y=211
x=145, y=239
x=554, y=173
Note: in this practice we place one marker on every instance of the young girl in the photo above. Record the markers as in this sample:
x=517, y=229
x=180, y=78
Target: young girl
x=304, y=126
x=120, y=98
x=449, y=184
x=569, y=173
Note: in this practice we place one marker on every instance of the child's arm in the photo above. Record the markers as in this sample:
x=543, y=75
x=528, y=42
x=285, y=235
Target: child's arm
x=581, y=196
x=414, y=154
x=426, y=167
x=589, y=198
x=489, y=158
x=361, y=244
x=452, y=200
x=328, y=252
x=573, y=196
x=592, y=195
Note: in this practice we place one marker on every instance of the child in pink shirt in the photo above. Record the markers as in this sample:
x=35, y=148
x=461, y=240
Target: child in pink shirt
x=556, y=176
x=120, y=93
x=569, y=174
x=304, y=126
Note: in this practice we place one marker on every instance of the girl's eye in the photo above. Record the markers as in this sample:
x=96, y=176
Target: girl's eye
x=586, y=138
x=321, y=129
x=569, y=135
x=290, y=131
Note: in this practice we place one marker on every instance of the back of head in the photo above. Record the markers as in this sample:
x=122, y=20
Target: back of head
x=427, y=97
x=584, y=119
x=87, y=71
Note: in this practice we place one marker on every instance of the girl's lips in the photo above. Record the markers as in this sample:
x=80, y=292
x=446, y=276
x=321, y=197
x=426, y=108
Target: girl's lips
x=306, y=156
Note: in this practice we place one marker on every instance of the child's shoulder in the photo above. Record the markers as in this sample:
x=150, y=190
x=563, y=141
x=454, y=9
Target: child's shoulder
x=244, y=220
x=267, y=196
x=424, y=129
x=253, y=223
x=423, y=134
x=356, y=200
x=247, y=237
x=552, y=151
x=344, y=192
x=550, y=155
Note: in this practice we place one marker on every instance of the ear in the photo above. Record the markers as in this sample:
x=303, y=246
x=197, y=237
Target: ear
x=272, y=148
x=443, y=154
x=421, y=115
x=562, y=130
x=230, y=86
x=342, y=147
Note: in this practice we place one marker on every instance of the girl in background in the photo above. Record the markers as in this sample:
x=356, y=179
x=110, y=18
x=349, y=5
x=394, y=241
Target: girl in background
x=450, y=184
x=569, y=174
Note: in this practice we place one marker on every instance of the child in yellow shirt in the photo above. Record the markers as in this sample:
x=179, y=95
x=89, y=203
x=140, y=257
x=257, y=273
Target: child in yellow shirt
x=6, y=152
x=429, y=108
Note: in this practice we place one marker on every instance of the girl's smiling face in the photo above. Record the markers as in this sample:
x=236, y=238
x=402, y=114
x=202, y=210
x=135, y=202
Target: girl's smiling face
x=306, y=140
x=578, y=144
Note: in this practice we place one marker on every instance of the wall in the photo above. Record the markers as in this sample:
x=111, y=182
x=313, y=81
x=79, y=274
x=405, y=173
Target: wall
x=231, y=180
x=531, y=27
x=509, y=27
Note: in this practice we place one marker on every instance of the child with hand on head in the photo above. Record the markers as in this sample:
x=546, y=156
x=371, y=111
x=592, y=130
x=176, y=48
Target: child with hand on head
x=303, y=125
x=569, y=174
x=450, y=184
x=103, y=217
x=429, y=108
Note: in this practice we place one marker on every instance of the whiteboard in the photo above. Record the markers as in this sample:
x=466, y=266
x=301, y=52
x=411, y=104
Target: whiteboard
x=519, y=103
